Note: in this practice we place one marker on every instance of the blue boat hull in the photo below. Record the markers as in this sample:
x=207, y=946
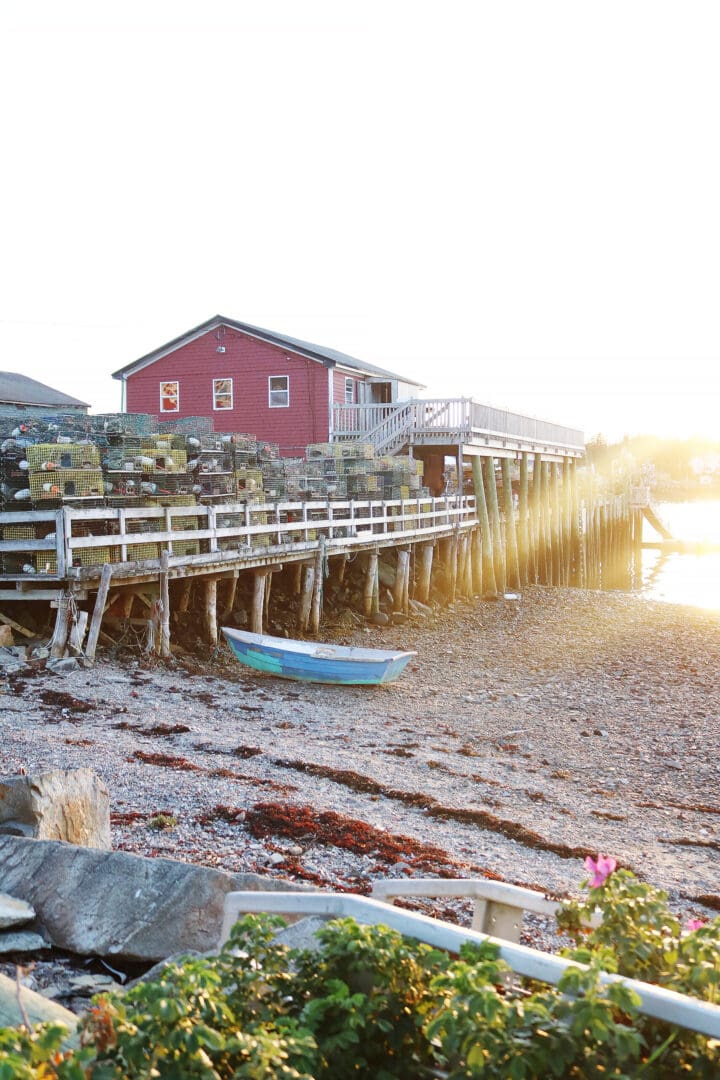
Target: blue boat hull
x=264, y=655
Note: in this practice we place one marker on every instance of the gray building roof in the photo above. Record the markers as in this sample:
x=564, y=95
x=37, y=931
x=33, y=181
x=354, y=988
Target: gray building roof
x=328, y=357
x=18, y=389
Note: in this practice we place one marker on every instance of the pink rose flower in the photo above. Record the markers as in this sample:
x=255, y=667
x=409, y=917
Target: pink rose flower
x=599, y=869
x=695, y=924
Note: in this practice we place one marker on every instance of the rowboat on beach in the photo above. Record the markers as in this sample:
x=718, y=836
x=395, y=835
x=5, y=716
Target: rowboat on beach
x=311, y=661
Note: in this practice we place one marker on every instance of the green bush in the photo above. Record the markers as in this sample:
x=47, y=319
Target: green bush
x=372, y=1004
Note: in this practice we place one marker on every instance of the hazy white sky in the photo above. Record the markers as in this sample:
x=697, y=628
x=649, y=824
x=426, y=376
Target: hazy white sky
x=518, y=201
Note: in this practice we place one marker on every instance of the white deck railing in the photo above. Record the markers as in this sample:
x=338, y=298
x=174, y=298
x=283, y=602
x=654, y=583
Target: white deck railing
x=449, y=420
x=228, y=531
x=673, y=1008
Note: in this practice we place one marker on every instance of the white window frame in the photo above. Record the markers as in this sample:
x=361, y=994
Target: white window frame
x=278, y=404
x=169, y=382
x=222, y=408
x=349, y=387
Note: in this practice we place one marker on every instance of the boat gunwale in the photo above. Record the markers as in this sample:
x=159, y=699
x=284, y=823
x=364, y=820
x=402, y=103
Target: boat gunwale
x=342, y=653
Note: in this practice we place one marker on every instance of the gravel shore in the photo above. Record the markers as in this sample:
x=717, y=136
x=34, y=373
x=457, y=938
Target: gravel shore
x=527, y=734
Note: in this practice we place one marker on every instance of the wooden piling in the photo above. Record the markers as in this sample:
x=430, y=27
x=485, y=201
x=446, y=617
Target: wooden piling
x=425, y=576
x=229, y=597
x=487, y=585
x=402, y=573
x=58, y=643
x=183, y=596
x=538, y=498
x=476, y=557
x=296, y=578
x=98, y=612
x=210, y=609
x=452, y=567
x=523, y=528
x=164, y=582
x=317, y=596
x=308, y=584
x=494, y=518
x=513, y=567
x=258, y=601
x=577, y=569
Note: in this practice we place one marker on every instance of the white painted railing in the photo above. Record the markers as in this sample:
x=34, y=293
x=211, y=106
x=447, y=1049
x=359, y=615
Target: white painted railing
x=231, y=531
x=673, y=1008
x=451, y=420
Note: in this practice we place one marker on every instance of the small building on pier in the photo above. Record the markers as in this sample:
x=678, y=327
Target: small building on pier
x=247, y=379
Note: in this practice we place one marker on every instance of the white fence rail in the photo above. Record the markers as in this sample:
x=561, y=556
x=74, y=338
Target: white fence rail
x=451, y=420
x=79, y=539
x=673, y=1008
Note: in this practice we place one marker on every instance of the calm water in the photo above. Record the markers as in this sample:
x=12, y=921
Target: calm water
x=685, y=579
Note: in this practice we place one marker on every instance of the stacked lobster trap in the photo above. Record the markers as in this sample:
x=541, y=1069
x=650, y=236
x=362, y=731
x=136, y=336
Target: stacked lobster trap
x=127, y=460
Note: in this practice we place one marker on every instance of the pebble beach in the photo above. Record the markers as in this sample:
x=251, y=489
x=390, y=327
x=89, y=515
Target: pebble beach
x=527, y=734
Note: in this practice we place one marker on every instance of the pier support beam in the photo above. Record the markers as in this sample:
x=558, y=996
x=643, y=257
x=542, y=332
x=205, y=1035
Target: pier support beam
x=209, y=592
x=425, y=576
x=164, y=601
x=60, y=633
x=257, y=609
x=487, y=585
x=306, y=593
x=402, y=578
x=98, y=612
x=371, y=589
x=523, y=531
x=494, y=518
x=513, y=568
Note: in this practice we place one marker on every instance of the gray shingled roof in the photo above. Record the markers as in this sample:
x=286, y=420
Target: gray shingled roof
x=18, y=389
x=329, y=357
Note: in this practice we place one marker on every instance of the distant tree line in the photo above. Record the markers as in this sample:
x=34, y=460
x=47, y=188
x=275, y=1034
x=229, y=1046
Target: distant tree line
x=676, y=460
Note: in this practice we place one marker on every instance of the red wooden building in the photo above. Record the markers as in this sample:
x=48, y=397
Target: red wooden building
x=253, y=380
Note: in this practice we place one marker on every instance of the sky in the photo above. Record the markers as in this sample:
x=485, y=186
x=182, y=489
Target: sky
x=514, y=201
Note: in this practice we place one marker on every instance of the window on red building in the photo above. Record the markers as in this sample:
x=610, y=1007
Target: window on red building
x=222, y=394
x=169, y=397
x=349, y=391
x=279, y=391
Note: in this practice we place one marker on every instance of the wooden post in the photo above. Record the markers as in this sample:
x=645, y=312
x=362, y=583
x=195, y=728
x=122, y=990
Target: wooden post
x=426, y=561
x=297, y=569
x=452, y=567
x=371, y=574
x=60, y=633
x=268, y=593
x=637, y=545
x=258, y=600
x=210, y=609
x=183, y=597
x=476, y=560
x=494, y=517
x=577, y=572
x=229, y=599
x=342, y=563
x=77, y=633
x=308, y=584
x=317, y=596
x=164, y=605
x=487, y=577
x=523, y=522
x=98, y=612
x=539, y=516
x=513, y=568
x=401, y=569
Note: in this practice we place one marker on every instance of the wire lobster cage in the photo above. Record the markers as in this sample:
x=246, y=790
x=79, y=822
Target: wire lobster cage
x=48, y=456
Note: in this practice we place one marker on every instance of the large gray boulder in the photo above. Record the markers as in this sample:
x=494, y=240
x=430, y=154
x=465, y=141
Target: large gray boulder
x=14, y=912
x=71, y=805
x=116, y=904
